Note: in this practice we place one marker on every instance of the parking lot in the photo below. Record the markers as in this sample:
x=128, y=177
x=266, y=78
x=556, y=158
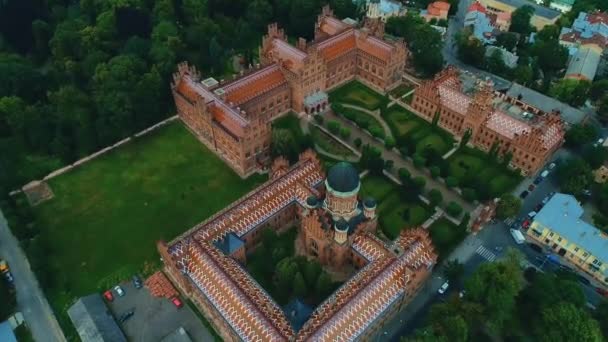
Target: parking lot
x=154, y=318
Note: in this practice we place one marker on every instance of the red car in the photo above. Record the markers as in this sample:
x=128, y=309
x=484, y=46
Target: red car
x=108, y=296
x=177, y=302
x=525, y=224
x=601, y=291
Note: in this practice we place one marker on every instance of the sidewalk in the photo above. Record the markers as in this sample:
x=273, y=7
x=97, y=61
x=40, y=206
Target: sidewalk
x=449, y=195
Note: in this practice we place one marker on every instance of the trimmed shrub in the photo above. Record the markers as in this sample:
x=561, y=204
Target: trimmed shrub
x=451, y=182
x=404, y=175
x=469, y=194
x=435, y=197
x=358, y=142
x=419, y=182
x=435, y=171
x=345, y=132
x=319, y=119
x=453, y=209
x=388, y=164
x=376, y=131
x=419, y=161
x=389, y=142
x=404, y=151
x=333, y=126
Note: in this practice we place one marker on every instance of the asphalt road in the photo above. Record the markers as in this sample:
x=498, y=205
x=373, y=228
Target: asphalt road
x=30, y=299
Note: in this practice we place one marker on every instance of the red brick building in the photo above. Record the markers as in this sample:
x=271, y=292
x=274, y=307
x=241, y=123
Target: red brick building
x=233, y=118
x=530, y=143
x=335, y=227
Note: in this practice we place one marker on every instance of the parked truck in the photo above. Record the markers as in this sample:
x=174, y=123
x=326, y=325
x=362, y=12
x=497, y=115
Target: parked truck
x=518, y=236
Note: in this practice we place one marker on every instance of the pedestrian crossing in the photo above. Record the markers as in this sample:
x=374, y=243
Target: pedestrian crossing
x=486, y=253
x=509, y=221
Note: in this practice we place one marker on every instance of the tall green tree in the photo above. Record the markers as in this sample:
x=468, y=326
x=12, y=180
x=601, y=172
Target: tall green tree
x=299, y=285
x=508, y=206
x=566, y=322
x=520, y=20
x=573, y=92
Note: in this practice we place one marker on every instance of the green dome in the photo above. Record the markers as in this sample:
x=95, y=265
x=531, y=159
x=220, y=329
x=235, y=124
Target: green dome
x=343, y=177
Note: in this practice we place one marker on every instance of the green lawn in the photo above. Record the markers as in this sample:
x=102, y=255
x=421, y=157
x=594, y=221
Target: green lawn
x=394, y=213
x=406, y=126
x=358, y=94
x=362, y=119
x=329, y=144
x=107, y=215
x=475, y=169
x=446, y=236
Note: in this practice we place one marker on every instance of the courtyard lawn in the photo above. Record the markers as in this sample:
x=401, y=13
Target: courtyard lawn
x=446, y=236
x=291, y=122
x=362, y=119
x=476, y=169
x=106, y=216
x=394, y=213
x=406, y=126
x=358, y=94
x=329, y=144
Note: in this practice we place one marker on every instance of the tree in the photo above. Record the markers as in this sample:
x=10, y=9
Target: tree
x=451, y=181
x=495, y=63
x=566, y=322
x=523, y=74
x=602, y=109
x=520, y=20
x=323, y=286
x=419, y=161
x=8, y=301
x=595, y=156
x=404, y=175
x=358, y=142
x=371, y=159
x=508, y=206
x=419, y=182
x=389, y=142
x=494, y=286
x=508, y=40
x=453, y=271
x=259, y=13
x=453, y=209
x=573, y=92
x=311, y=272
x=548, y=32
x=581, y=134
x=551, y=56
x=284, y=144
x=598, y=89
x=345, y=132
x=333, y=126
x=286, y=271
x=470, y=49
x=299, y=286
x=469, y=194
x=574, y=176
x=435, y=197
x=435, y=171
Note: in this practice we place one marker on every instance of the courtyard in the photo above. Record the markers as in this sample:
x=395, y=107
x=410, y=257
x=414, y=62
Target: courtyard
x=395, y=214
x=476, y=169
x=414, y=132
x=102, y=225
x=358, y=94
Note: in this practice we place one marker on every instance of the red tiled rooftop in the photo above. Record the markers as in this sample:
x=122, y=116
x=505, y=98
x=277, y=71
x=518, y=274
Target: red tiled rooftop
x=598, y=17
x=160, y=286
x=253, y=85
x=476, y=6
x=338, y=46
x=441, y=5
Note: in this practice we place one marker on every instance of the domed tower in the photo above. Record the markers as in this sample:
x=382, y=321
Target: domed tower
x=341, y=231
x=342, y=186
x=369, y=208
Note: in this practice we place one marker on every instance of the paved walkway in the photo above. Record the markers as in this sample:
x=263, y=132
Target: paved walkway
x=375, y=114
x=30, y=300
x=449, y=195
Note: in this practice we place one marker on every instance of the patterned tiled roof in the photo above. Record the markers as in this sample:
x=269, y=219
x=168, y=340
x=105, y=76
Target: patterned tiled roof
x=332, y=26
x=506, y=125
x=252, y=86
x=349, y=40
x=250, y=311
x=454, y=99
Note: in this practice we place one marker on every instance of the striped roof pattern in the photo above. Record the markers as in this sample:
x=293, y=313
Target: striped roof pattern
x=254, y=85
x=454, y=99
x=250, y=311
x=351, y=39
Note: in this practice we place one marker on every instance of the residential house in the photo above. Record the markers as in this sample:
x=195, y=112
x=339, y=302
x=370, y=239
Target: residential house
x=485, y=25
x=542, y=15
x=509, y=58
x=436, y=10
x=587, y=43
x=385, y=9
x=563, y=6
x=558, y=226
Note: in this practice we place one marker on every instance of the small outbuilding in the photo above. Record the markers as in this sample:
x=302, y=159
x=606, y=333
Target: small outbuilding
x=93, y=320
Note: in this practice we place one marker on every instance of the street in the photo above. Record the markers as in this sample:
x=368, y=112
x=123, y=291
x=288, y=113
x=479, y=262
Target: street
x=30, y=300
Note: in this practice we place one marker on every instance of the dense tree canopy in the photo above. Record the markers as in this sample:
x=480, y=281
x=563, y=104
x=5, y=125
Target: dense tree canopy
x=508, y=206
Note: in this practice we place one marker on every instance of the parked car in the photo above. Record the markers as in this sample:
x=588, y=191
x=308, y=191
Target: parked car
x=538, y=180
x=532, y=214
x=544, y=174
x=126, y=316
x=524, y=194
x=546, y=200
x=177, y=302
x=601, y=291
x=137, y=282
x=119, y=291
x=538, y=207
x=583, y=280
x=108, y=296
x=587, y=192
x=536, y=248
x=525, y=224
x=444, y=287
x=531, y=187
x=552, y=166
x=462, y=293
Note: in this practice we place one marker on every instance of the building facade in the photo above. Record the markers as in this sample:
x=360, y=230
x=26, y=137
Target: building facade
x=530, y=143
x=233, y=118
x=558, y=226
x=437, y=10
x=384, y=9
x=335, y=227
x=542, y=16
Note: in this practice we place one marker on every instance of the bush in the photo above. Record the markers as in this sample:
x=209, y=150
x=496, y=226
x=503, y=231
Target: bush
x=435, y=171
x=435, y=197
x=319, y=119
x=333, y=126
x=419, y=182
x=389, y=142
x=388, y=164
x=453, y=209
x=404, y=151
x=345, y=132
x=404, y=175
x=358, y=142
x=469, y=194
x=451, y=182
x=376, y=131
x=419, y=161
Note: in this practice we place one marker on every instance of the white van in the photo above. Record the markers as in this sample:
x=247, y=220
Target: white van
x=517, y=236
x=544, y=174
x=532, y=214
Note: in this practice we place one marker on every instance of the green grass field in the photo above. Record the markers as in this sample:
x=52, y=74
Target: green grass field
x=358, y=94
x=395, y=214
x=106, y=216
x=406, y=125
x=446, y=236
x=476, y=169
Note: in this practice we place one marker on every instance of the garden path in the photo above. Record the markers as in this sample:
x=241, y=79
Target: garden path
x=449, y=195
